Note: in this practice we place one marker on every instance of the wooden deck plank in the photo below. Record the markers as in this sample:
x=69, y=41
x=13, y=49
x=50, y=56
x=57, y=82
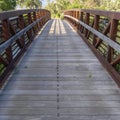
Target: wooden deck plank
x=59, y=78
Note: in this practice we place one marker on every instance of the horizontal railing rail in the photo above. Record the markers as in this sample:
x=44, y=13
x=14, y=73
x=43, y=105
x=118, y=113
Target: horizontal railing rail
x=17, y=30
x=101, y=31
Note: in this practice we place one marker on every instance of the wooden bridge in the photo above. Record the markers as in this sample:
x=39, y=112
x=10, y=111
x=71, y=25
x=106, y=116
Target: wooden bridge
x=70, y=71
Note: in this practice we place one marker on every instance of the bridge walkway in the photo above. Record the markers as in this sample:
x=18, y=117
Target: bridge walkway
x=59, y=78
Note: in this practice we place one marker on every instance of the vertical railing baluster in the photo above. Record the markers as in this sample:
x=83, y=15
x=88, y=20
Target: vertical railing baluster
x=34, y=19
x=78, y=19
x=95, y=26
x=30, y=33
x=21, y=25
x=87, y=16
x=37, y=17
x=7, y=35
x=113, y=32
x=81, y=19
x=40, y=23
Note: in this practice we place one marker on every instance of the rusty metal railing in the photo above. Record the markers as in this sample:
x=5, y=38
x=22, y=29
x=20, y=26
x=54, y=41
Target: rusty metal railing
x=101, y=31
x=17, y=30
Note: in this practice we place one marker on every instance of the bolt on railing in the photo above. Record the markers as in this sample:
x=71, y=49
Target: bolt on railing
x=101, y=31
x=17, y=30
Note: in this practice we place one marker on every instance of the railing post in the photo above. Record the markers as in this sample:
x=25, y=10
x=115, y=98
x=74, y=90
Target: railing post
x=87, y=22
x=113, y=33
x=34, y=19
x=81, y=19
x=37, y=17
x=73, y=14
x=96, y=26
x=39, y=14
x=7, y=35
x=78, y=17
x=40, y=23
x=21, y=26
x=31, y=31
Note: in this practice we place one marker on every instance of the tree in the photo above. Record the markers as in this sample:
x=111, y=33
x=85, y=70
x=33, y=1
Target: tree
x=32, y=4
x=58, y=6
x=7, y=5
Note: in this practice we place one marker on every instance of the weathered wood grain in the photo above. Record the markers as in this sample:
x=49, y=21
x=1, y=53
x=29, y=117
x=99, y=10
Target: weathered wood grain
x=59, y=78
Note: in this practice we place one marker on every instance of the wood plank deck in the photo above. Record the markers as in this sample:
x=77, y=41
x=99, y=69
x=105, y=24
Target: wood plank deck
x=59, y=78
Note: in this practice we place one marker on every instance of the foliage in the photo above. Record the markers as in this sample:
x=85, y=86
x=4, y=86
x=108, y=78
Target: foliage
x=31, y=4
x=7, y=5
x=57, y=6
